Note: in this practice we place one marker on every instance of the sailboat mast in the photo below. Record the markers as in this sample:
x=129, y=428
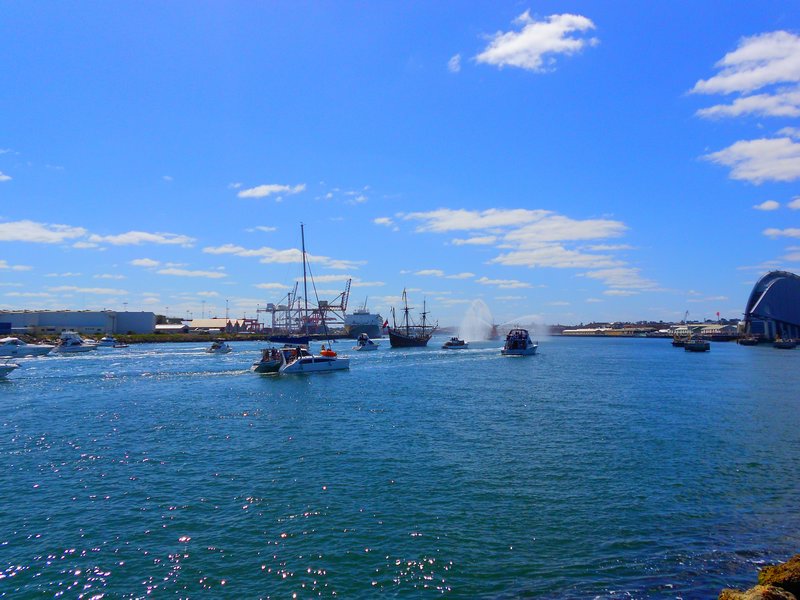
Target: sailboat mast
x=305, y=282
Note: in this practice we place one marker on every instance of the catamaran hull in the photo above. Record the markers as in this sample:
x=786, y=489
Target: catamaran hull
x=315, y=365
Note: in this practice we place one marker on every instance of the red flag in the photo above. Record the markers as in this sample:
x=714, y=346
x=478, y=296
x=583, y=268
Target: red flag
x=386, y=323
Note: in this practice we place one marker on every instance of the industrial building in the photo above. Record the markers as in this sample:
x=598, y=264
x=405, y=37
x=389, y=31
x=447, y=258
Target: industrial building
x=87, y=322
x=773, y=309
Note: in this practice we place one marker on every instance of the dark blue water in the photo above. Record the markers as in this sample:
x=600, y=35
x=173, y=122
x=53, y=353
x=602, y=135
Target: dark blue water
x=598, y=468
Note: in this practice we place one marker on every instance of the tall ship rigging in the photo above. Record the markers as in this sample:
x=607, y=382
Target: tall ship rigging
x=408, y=334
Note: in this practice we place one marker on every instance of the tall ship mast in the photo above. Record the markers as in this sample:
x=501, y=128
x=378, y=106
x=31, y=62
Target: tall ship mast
x=408, y=334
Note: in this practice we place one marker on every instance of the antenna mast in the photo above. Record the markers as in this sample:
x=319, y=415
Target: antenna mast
x=305, y=282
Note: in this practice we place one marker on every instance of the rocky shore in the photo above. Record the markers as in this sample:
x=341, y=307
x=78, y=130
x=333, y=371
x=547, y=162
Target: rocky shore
x=776, y=582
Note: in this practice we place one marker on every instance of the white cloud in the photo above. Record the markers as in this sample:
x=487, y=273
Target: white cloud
x=188, y=273
x=67, y=274
x=464, y=275
x=263, y=228
x=235, y=185
x=272, y=286
x=30, y=294
x=792, y=132
x=4, y=265
x=292, y=255
x=767, y=205
x=359, y=283
x=791, y=232
x=383, y=221
x=621, y=293
x=554, y=256
x=84, y=245
x=775, y=159
x=109, y=276
x=85, y=290
x=430, y=272
x=483, y=240
x=167, y=178
x=145, y=262
x=593, y=300
x=533, y=47
x=780, y=104
x=445, y=219
x=135, y=238
x=503, y=283
x=42, y=233
x=263, y=191
x=4, y=177
x=208, y=294
x=794, y=204
x=760, y=60
x=454, y=64
x=623, y=278
x=508, y=298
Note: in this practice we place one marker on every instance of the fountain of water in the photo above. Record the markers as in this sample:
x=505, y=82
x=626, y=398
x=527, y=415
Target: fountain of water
x=477, y=322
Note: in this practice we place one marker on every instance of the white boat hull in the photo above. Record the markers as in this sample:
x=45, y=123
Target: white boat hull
x=74, y=349
x=5, y=369
x=315, y=364
x=365, y=347
x=29, y=350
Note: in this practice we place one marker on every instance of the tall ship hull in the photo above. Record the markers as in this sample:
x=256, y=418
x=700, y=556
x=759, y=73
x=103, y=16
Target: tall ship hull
x=409, y=334
x=411, y=339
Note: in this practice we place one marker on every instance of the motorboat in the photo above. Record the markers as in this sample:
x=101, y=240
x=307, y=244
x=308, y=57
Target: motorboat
x=297, y=359
x=364, y=343
x=72, y=343
x=219, y=347
x=270, y=361
x=455, y=344
x=11, y=346
x=518, y=343
x=6, y=368
x=749, y=340
x=697, y=345
x=784, y=344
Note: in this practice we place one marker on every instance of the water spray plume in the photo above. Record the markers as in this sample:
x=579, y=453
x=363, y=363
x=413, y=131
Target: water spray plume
x=476, y=325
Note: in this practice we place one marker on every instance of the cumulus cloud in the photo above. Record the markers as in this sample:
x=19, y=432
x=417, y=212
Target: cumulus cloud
x=145, y=262
x=767, y=205
x=4, y=177
x=271, y=255
x=88, y=290
x=623, y=278
x=791, y=232
x=272, y=286
x=108, y=276
x=430, y=272
x=503, y=283
x=482, y=240
x=794, y=204
x=262, y=191
x=757, y=161
x=535, y=46
x=188, y=273
x=41, y=233
x=454, y=64
x=769, y=62
x=383, y=221
x=4, y=265
x=136, y=238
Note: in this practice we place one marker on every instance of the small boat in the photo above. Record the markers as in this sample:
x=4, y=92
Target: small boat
x=109, y=341
x=6, y=368
x=364, y=343
x=297, y=359
x=680, y=341
x=270, y=361
x=697, y=345
x=11, y=346
x=784, y=344
x=219, y=347
x=455, y=344
x=750, y=340
x=72, y=343
x=518, y=343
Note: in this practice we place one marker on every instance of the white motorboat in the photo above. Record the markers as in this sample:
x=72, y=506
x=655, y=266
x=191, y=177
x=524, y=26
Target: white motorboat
x=364, y=343
x=11, y=346
x=518, y=343
x=71, y=343
x=455, y=344
x=270, y=361
x=219, y=347
x=109, y=341
x=297, y=360
x=6, y=368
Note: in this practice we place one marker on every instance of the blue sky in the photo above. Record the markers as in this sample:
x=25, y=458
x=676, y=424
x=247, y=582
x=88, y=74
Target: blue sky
x=576, y=161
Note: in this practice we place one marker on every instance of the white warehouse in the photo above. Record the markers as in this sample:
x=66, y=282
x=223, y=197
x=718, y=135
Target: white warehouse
x=53, y=322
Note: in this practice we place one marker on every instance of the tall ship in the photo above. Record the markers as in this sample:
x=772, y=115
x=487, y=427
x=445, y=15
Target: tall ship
x=363, y=321
x=408, y=334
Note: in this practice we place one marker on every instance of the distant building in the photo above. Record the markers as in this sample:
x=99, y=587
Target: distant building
x=172, y=328
x=773, y=309
x=226, y=325
x=87, y=322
